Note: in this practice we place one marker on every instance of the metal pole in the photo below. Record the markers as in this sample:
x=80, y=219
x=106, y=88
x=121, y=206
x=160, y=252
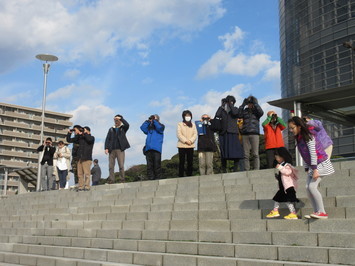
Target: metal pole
x=298, y=112
x=45, y=72
x=353, y=62
x=5, y=181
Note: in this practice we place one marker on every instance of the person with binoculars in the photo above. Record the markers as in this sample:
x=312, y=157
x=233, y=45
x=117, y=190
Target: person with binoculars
x=153, y=145
x=76, y=130
x=273, y=127
x=229, y=144
x=48, y=151
x=86, y=142
x=251, y=112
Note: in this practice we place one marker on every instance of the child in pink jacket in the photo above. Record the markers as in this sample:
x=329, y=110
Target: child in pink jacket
x=287, y=179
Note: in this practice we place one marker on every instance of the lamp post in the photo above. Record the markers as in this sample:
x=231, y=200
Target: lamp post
x=350, y=45
x=45, y=58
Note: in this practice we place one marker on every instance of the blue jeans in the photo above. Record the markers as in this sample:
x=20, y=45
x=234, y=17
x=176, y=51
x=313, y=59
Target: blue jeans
x=62, y=174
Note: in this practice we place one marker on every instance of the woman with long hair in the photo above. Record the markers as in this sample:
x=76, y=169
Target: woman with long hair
x=317, y=164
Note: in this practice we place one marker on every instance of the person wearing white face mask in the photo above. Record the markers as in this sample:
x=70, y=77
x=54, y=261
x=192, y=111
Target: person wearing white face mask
x=186, y=134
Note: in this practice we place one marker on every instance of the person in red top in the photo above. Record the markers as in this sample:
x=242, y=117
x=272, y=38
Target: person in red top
x=273, y=126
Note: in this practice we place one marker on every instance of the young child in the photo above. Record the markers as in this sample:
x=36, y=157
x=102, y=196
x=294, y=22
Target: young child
x=317, y=164
x=287, y=178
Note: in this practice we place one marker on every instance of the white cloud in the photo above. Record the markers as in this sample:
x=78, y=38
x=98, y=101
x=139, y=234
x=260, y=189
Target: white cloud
x=230, y=40
x=247, y=65
x=87, y=31
x=230, y=60
x=273, y=73
x=72, y=73
x=97, y=117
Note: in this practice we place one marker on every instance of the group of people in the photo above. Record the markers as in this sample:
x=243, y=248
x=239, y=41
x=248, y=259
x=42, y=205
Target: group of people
x=315, y=147
x=56, y=165
x=237, y=131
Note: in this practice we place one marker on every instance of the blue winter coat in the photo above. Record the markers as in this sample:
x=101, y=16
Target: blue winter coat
x=154, y=140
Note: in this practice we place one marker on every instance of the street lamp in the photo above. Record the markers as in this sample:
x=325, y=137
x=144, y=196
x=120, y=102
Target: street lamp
x=350, y=45
x=45, y=58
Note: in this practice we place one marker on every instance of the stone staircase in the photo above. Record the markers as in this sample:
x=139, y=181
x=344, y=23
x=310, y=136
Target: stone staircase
x=199, y=221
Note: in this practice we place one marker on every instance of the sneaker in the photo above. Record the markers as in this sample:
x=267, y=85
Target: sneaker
x=291, y=216
x=319, y=215
x=307, y=216
x=273, y=214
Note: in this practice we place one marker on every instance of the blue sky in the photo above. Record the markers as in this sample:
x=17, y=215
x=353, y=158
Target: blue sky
x=138, y=58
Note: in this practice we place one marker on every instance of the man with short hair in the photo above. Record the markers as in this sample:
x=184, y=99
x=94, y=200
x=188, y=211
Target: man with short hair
x=77, y=129
x=115, y=145
x=96, y=173
x=84, y=154
x=153, y=145
x=48, y=151
x=206, y=145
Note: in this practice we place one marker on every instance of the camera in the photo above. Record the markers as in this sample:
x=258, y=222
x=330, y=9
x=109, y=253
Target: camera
x=152, y=117
x=273, y=118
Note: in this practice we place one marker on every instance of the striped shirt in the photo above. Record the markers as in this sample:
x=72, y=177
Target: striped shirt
x=324, y=168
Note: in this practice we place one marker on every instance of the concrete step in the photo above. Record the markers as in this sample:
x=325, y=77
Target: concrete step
x=176, y=211
x=153, y=253
x=9, y=259
x=220, y=224
x=341, y=240
x=201, y=220
x=230, y=200
x=167, y=260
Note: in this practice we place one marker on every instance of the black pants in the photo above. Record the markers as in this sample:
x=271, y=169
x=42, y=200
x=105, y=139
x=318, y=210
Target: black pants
x=153, y=164
x=189, y=154
x=270, y=158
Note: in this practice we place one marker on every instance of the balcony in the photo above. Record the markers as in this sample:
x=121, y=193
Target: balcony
x=14, y=164
x=15, y=153
x=17, y=115
x=15, y=144
x=15, y=124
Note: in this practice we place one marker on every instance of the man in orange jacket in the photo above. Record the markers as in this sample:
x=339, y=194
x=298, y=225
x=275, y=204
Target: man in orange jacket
x=273, y=126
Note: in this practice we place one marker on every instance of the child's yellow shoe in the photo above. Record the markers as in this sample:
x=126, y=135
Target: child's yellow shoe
x=291, y=216
x=273, y=214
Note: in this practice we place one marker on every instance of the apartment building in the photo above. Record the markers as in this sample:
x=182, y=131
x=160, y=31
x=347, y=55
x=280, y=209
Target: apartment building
x=20, y=129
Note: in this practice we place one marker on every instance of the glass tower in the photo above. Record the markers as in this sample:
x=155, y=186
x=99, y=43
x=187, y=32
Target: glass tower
x=313, y=57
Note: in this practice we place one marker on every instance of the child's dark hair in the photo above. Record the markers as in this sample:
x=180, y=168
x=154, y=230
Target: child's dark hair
x=284, y=153
x=305, y=133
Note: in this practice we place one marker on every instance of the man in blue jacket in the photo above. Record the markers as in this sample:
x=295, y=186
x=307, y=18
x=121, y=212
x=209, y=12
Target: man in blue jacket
x=153, y=146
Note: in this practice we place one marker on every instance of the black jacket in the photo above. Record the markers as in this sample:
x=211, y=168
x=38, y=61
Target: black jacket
x=117, y=140
x=251, y=119
x=229, y=120
x=47, y=155
x=96, y=173
x=75, y=142
x=206, y=142
x=86, y=144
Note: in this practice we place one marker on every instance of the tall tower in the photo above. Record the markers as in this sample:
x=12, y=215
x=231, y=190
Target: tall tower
x=314, y=58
